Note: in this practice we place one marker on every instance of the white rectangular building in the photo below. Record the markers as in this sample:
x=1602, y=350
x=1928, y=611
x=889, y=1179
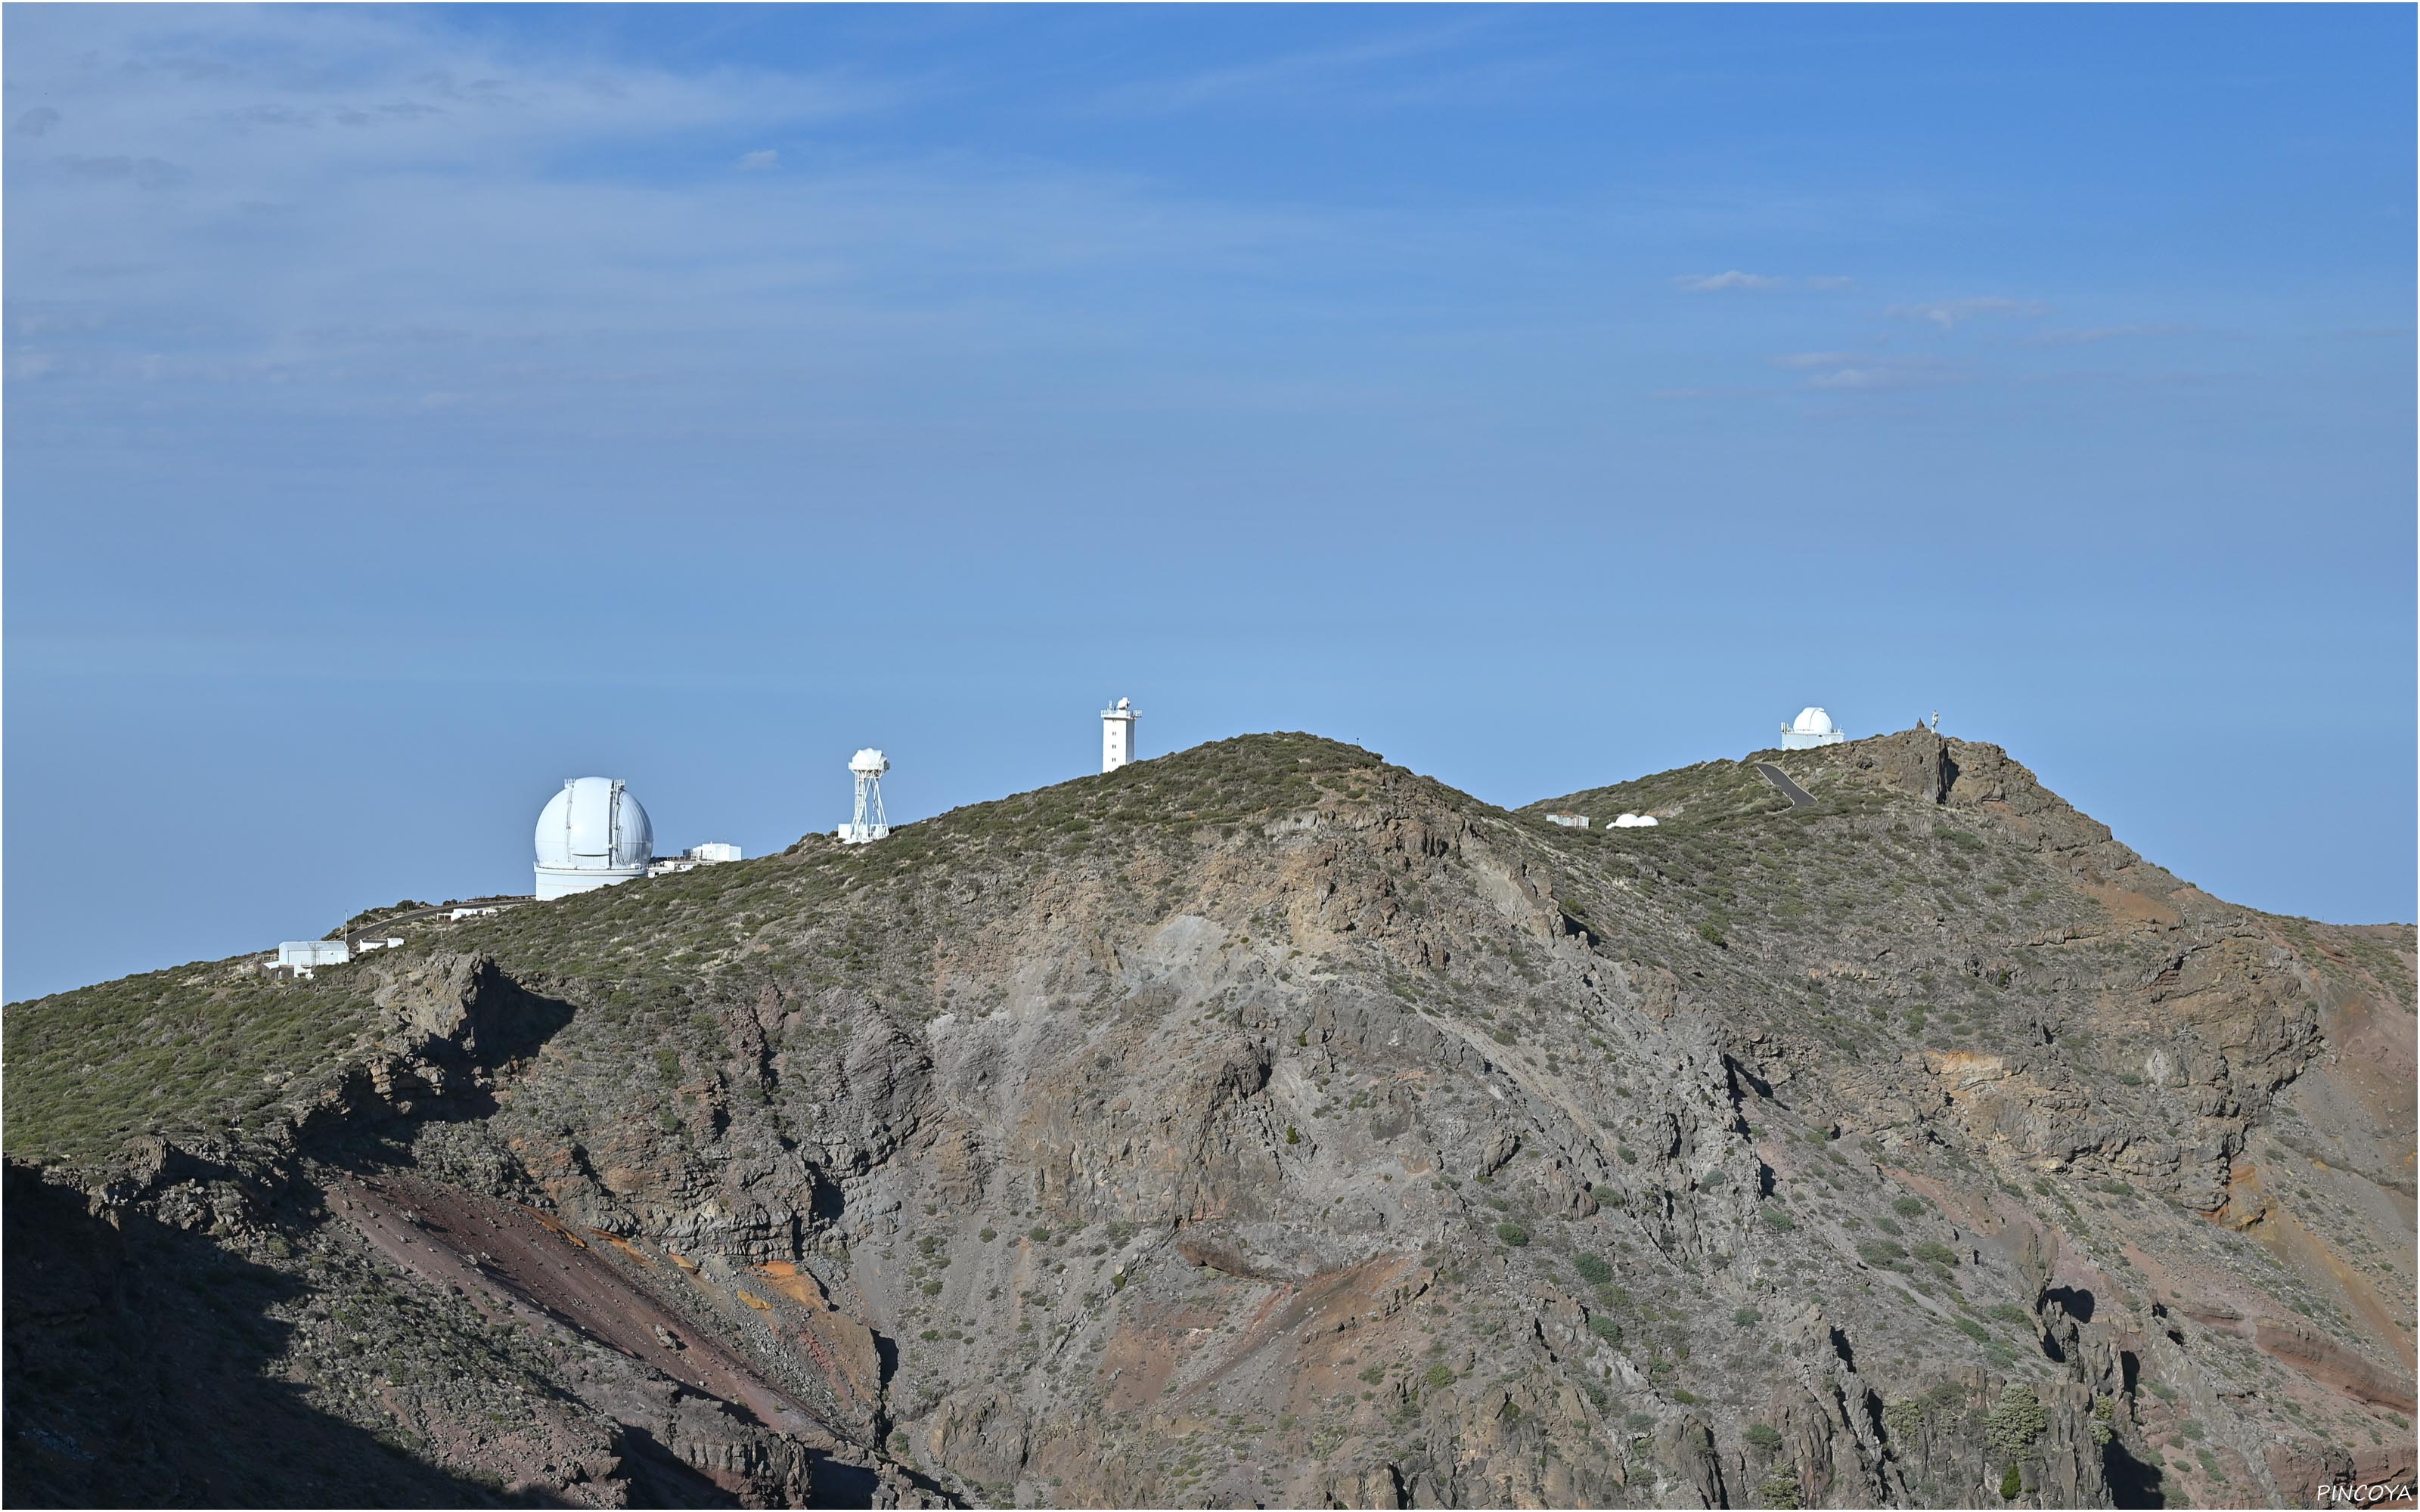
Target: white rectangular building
x=302, y=956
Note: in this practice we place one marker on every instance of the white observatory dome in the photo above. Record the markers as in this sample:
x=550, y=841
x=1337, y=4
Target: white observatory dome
x=592, y=834
x=1813, y=727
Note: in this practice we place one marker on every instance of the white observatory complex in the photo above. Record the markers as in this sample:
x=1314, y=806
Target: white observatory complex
x=1117, y=735
x=869, y=825
x=711, y=853
x=593, y=834
x=1813, y=727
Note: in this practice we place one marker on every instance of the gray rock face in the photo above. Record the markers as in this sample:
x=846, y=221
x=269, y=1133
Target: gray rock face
x=1265, y=1124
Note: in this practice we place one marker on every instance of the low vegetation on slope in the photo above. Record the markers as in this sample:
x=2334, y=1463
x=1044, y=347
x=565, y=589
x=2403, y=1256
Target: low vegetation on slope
x=1264, y=1122
x=193, y=1050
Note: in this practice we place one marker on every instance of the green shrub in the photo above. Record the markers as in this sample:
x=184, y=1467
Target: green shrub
x=1972, y=1329
x=1293, y=1135
x=1605, y=1328
x=1909, y=1206
x=1936, y=1252
x=1780, y=1488
x=1592, y=1270
x=2017, y=1421
x=2012, y=1483
x=1762, y=1436
x=1512, y=1234
x=1439, y=1375
x=1777, y=1220
x=1903, y=1417
x=1745, y=1316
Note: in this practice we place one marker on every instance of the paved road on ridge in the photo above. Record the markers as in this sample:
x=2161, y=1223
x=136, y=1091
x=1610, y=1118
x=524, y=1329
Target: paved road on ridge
x=1799, y=797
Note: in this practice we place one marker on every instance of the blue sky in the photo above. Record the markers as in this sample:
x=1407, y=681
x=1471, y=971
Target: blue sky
x=408, y=409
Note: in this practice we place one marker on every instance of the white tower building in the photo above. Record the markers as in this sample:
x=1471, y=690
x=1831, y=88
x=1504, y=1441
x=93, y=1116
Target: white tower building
x=867, y=766
x=1812, y=726
x=1117, y=735
x=592, y=834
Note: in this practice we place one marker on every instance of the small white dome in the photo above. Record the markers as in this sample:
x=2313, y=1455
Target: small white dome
x=595, y=825
x=869, y=763
x=1811, y=722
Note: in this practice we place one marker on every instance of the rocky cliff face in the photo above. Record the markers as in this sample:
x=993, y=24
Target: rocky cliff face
x=1267, y=1125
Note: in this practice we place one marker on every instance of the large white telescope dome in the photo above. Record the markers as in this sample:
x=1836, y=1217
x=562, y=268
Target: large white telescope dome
x=1813, y=727
x=592, y=834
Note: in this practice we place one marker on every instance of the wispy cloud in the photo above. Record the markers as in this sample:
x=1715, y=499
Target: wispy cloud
x=1430, y=66
x=1735, y=279
x=1948, y=312
x=143, y=172
x=2090, y=335
x=499, y=248
x=1867, y=371
x=1717, y=283
x=1873, y=379
x=35, y=122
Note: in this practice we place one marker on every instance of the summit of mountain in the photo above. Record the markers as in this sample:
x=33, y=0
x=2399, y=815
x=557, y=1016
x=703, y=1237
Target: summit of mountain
x=1265, y=1123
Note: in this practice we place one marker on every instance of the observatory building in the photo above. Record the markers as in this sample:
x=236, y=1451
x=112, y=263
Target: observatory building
x=1812, y=726
x=870, y=823
x=710, y=853
x=593, y=834
x=1117, y=735
x=299, y=958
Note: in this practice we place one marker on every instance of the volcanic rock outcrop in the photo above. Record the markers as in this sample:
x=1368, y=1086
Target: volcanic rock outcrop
x=1261, y=1124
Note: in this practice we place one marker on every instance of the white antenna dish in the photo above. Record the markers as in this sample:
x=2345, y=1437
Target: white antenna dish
x=870, y=823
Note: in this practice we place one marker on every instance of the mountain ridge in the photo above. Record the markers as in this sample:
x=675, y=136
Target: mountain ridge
x=1544, y=1125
